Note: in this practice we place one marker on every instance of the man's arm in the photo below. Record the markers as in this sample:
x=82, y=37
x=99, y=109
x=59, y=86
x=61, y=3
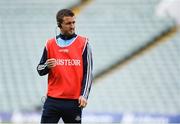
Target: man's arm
x=87, y=72
x=42, y=67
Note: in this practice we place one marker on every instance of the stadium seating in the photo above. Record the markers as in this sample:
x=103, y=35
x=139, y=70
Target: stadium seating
x=149, y=84
x=116, y=28
x=25, y=26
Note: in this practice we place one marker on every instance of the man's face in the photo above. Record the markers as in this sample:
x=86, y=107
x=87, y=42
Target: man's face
x=68, y=25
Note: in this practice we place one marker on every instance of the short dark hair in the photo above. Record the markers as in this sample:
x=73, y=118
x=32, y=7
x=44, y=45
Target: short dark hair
x=61, y=14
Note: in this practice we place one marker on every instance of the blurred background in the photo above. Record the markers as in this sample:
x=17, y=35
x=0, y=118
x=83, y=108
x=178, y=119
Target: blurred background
x=136, y=51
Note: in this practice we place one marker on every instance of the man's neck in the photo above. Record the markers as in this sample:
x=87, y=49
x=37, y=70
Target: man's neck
x=66, y=37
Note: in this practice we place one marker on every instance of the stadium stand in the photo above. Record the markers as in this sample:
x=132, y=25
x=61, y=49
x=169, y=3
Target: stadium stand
x=149, y=84
x=25, y=27
x=116, y=29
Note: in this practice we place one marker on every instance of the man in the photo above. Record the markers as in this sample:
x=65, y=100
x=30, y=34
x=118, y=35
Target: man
x=67, y=59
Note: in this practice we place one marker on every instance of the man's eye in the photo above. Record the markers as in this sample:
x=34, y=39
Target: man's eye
x=70, y=23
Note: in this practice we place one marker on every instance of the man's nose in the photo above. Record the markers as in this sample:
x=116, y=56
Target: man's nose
x=72, y=25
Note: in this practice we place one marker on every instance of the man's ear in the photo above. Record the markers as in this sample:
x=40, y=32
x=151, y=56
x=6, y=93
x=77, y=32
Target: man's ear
x=59, y=25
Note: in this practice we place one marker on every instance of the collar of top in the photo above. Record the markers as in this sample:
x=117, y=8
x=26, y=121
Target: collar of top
x=65, y=37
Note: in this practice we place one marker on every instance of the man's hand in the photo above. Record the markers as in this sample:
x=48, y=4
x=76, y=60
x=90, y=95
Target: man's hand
x=82, y=102
x=51, y=63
